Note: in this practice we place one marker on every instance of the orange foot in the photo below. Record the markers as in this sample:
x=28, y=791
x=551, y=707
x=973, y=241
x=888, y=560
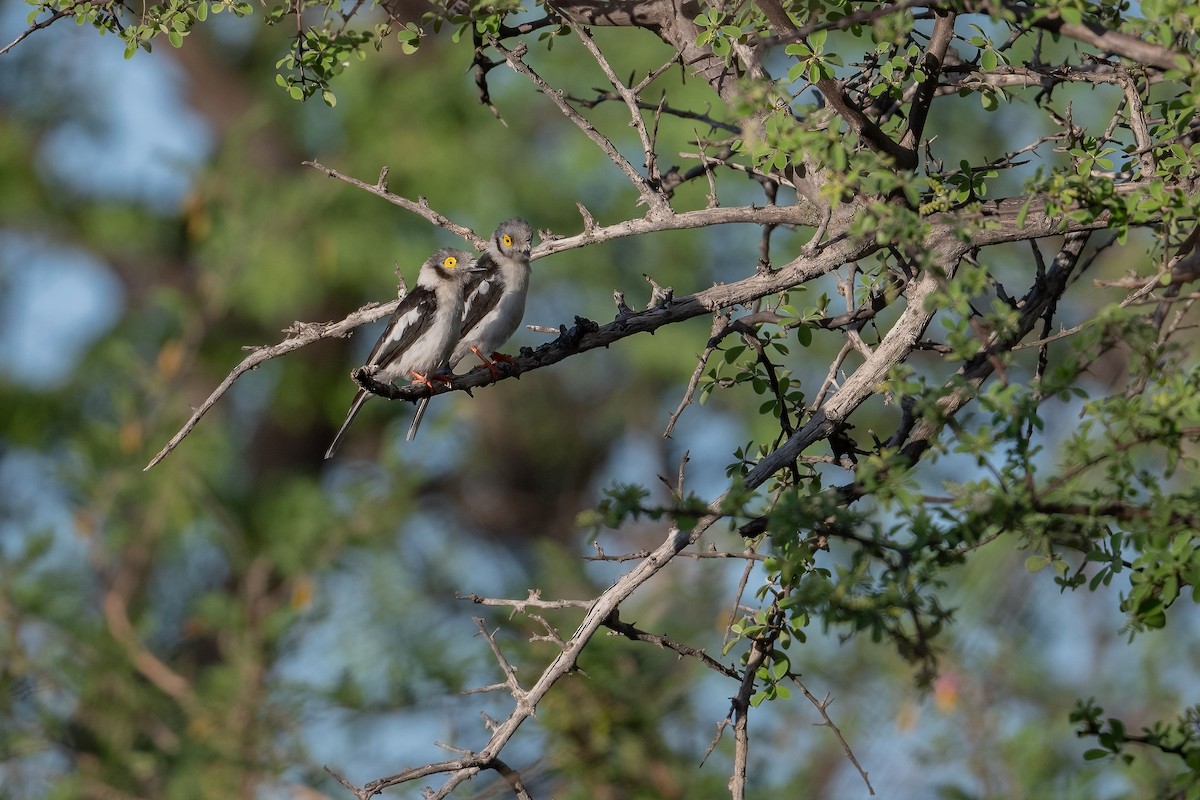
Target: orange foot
x=429, y=378
x=490, y=363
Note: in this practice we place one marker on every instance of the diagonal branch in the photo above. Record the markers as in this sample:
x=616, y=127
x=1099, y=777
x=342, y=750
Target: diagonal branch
x=37, y=26
x=652, y=198
x=420, y=206
x=631, y=631
x=1096, y=35
x=835, y=95
x=935, y=54
x=305, y=333
x=301, y=334
x=587, y=335
x=626, y=94
x=977, y=370
x=563, y=664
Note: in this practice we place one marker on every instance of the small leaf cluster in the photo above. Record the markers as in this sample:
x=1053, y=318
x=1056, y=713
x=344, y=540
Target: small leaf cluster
x=723, y=29
x=901, y=66
x=739, y=365
x=318, y=55
x=624, y=502
x=173, y=19
x=884, y=582
x=812, y=62
x=951, y=190
x=1171, y=23
x=1180, y=738
x=482, y=17
x=767, y=631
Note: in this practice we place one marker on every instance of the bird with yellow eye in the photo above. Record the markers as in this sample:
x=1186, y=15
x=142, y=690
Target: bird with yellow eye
x=420, y=336
x=495, y=301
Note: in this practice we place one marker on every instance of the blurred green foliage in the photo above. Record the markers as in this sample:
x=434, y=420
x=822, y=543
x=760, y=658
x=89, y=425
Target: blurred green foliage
x=226, y=623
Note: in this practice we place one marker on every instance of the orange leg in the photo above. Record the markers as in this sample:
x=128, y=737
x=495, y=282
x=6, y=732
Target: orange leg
x=489, y=363
x=430, y=378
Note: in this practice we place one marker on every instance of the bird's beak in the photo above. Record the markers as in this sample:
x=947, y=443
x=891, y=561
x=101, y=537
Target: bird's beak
x=476, y=268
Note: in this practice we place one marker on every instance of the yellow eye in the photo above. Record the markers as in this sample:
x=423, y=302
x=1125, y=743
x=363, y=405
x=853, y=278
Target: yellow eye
x=506, y=240
x=450, y=263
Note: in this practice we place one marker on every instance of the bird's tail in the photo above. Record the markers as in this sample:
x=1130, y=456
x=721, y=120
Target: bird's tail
x=359, y=399
x=416, y=422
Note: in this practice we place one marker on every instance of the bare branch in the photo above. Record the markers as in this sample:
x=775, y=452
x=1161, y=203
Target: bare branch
x=420, y=206
x=519, y=606
x=630, y=631
x=1097, y=36
x=37, y=26
x=627, y=96
x=692, y=554
x=665, y=108
x=719, y=324
x=302, y=333
x=510, y=672
x=935, y=54
x=563, y=664
x=653, y=199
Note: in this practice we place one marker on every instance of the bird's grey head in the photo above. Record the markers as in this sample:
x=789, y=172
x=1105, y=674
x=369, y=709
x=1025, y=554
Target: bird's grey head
x=513, y=237
x=452, y=264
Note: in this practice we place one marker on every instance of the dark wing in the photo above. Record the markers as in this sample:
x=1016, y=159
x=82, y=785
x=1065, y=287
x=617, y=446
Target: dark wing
x=407, y=323
x=482, y=293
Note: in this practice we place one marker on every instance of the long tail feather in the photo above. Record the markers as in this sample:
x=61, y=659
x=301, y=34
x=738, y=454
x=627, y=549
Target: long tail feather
x=416, y=422
x=357, y=405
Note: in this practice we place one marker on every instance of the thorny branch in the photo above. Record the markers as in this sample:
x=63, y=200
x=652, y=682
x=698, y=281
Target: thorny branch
x=650, y=195
x=836, y=399
x=301, y=334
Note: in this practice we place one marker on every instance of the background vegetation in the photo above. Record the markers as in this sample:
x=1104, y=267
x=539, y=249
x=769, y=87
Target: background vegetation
x=933, y=525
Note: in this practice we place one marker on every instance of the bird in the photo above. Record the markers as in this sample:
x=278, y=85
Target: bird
x=495, y=302
x=423, y=330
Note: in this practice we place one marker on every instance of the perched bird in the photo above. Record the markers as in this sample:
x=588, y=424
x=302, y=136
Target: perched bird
x=495, y=301
x=420, y=336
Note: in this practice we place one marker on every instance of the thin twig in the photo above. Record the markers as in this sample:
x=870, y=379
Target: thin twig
x=518, y=606
x=420, y=206
x=822, y=706
x=302, y=334
x=629, y=631
x=654, y=200
x=640, y=554
x=510, y=672
x=37, y=26
x=626, y=94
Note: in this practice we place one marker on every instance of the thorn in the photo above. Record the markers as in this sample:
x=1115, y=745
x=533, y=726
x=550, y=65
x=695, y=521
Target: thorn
x=589, y=222
x=623, y=309
x=659, y=296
